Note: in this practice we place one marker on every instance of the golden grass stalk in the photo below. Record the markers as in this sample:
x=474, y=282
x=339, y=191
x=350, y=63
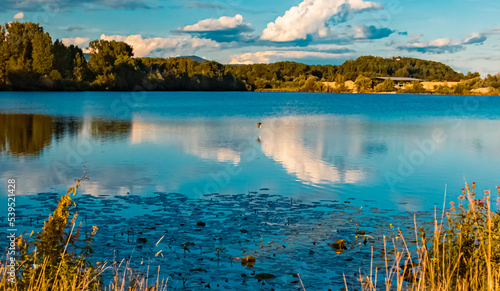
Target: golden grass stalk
x=462, y=254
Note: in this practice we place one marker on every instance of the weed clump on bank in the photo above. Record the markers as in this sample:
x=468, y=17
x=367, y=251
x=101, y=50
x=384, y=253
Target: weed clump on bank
x=55, y=258
x=462, y=252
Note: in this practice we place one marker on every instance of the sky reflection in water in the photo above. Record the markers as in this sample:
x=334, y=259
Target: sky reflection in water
x=310, y=146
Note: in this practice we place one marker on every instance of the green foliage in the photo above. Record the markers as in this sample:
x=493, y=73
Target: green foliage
x=28, y=56
x=311, y=85
x=471, y=75
x=43, y=57
x=363, y=84
x=386, y=86
x=51, y=253
x=491, y=81
x=415, y=88
x=186, y=74
x=19, y=45
x=105, y=53
x=342, y=88
x=398, y=67
x=16, y=54
x=469, y=244
x=494, y=91
x=55, y=75
x=80, y=69
x=69, y=61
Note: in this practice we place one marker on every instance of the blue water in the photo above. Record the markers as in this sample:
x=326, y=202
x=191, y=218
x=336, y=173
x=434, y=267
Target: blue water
x=400, y=151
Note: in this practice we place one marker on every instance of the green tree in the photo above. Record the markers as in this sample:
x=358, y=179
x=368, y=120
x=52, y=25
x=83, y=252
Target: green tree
x=310, y=85
x=386, y=86
x=43, y=57
x=19, y=44
x=80, y=70
x=212, y=70
x=104, y=54
x=66, y=58
x=363, y=84
x=110, y=59
x=4, y=56
x=415, y=88
x=128, y=73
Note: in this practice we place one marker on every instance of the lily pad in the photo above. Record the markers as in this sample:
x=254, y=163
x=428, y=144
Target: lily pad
x=264, y=276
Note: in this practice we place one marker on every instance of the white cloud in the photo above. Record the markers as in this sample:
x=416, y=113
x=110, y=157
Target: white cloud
x=164, y=47
x=371, y=32
x=437, y=46
x=310, y=18
x=212, y=24
x=448, y=45
x=75, y=41
x=275, y=55
x=19, y=15
x=223, y=29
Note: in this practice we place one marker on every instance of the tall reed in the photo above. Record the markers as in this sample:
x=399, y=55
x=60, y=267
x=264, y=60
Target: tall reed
x=461, y=252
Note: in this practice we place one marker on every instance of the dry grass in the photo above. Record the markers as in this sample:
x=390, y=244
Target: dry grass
x=462, y=253
x=124, y=280
x=47, y=260
x=432, y=85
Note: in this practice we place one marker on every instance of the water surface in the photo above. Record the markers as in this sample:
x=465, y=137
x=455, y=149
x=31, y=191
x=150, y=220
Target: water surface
x=397, y=150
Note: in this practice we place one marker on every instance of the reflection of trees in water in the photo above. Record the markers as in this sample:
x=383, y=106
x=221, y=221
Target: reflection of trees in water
x=106, y=129
x=25, y=133
x=29, y=134
x=64, y=125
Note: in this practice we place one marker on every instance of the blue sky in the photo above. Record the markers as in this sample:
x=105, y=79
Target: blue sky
x=462, y=33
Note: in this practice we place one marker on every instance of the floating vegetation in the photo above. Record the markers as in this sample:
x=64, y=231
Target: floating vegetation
x=339, y=246
x=224, y=241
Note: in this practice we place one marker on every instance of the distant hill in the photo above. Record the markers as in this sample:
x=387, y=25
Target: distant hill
x=195, y=58
x=371, y=66
x=368, y=66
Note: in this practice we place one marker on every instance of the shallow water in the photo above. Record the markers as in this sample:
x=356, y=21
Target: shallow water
x=398, y=150
x=285, y=236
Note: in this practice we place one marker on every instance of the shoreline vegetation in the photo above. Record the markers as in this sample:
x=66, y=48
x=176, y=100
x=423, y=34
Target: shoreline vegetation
x=460, y=252
x=31, y=61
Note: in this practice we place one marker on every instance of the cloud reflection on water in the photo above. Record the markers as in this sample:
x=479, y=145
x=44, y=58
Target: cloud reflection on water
x=316, y=156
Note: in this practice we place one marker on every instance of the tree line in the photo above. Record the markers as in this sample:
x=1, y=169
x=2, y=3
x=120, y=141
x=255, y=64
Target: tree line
x=31, y=60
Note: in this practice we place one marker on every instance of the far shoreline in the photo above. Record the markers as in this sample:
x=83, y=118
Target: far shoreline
x=228, y=91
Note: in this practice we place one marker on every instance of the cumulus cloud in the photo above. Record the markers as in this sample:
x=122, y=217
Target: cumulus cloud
x=275, y=55
x=475, y=38
x=163, y=47
x=222, y=23
x=75, y=41
x=19, y=15
x=448, y=45
x=438, y=46
x=311, y=17
x=371, y=32
x=223, y=29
